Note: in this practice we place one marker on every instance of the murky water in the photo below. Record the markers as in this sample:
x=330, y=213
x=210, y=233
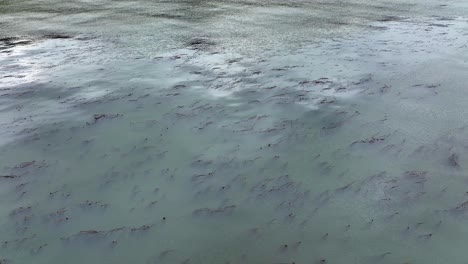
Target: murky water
x=233, y=132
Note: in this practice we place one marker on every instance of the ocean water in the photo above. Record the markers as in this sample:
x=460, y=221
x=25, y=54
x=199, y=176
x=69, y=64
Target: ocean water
x=233, y=132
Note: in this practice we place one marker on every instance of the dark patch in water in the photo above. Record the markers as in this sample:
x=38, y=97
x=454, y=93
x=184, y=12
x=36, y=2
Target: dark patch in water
x=11, y=42
x=226, y=210
x=371, y=140
x=56, y=36
x=200, y=43
x=98, y=117
x=18, y=242
x=438, y=25
x=9, y=176
x=389, y=19
x=453, y=161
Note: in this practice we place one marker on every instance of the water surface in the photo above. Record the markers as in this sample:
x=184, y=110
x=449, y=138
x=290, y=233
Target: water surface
x=233, y=132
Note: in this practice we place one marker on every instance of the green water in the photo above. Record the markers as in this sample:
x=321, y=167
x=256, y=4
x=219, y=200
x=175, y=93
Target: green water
x=233, y=132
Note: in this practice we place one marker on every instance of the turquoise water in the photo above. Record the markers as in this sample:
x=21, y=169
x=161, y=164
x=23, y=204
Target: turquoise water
x=233, y=132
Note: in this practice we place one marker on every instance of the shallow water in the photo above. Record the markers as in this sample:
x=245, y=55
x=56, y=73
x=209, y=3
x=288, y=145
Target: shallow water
x=233, y=132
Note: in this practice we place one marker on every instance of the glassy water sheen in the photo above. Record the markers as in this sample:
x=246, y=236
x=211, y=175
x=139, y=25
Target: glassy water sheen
x=233, y=131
